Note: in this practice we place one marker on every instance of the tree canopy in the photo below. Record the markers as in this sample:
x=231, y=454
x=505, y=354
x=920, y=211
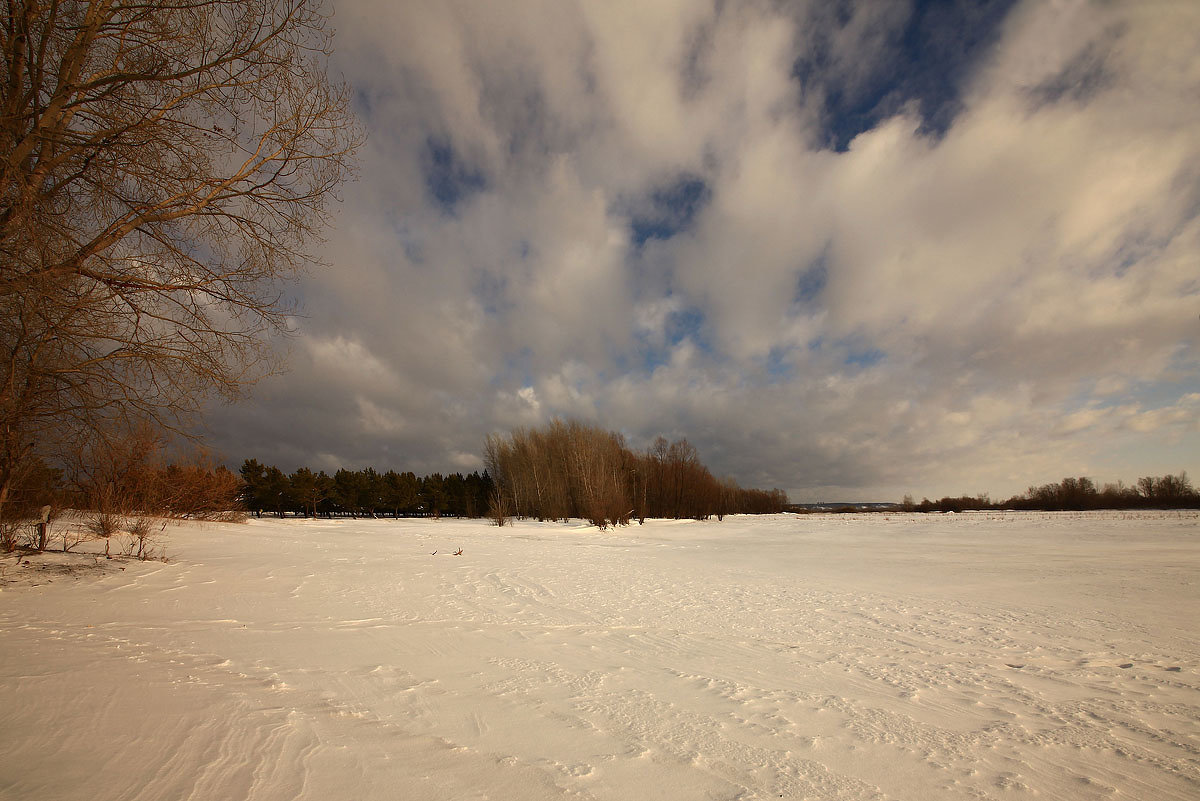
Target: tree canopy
x=164, y=168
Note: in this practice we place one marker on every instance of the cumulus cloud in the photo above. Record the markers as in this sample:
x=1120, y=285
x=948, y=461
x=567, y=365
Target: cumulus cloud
x=847, y=254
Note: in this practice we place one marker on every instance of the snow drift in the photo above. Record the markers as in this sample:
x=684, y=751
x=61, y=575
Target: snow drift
x=828, y=657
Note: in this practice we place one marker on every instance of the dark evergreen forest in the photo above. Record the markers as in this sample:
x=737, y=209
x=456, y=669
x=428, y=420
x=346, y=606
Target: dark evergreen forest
x=362, y=493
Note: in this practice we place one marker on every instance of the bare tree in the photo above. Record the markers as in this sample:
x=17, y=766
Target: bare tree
x=569, y=469
x=164, y=170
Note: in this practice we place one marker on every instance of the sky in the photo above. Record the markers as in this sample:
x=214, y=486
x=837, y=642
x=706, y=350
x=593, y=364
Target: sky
x=851, y=250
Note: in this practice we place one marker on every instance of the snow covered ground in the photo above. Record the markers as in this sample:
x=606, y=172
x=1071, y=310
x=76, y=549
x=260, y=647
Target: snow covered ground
x=1004, y=656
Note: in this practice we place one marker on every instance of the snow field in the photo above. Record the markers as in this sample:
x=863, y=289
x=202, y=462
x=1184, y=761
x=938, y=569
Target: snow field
x=888, y=656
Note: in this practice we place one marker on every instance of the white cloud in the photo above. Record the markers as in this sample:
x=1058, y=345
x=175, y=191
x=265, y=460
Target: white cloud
x=1005, y=303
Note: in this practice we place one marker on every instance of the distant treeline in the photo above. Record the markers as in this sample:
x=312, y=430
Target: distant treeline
x=569, y=469
x=1077, y=494
x=363, y=493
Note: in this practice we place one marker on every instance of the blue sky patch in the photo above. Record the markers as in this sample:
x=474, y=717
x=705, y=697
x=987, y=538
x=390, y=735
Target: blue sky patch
x=779, y=366
x=518, y=370
x=687, y=324
x=364, y=106
x=812, y=280
x=672, y=209
x=684, y=324
x=925, y=63
x=852, y=351
x=867, y=357
x=491, y=290
x=448, y=177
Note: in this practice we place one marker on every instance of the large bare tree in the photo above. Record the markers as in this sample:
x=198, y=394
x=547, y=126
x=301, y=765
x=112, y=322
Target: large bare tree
x=164, y=171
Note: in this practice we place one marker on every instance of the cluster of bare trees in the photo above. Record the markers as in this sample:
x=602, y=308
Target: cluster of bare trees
x=569, y=469
x=1163, y=492
x=164, y=168
x=1081, y=493
x=126, y=486
x=137, y=475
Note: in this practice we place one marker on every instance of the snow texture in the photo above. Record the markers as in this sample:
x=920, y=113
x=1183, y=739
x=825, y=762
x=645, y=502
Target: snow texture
x=977, y=656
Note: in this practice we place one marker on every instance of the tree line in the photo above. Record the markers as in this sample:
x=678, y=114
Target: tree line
x=569, y=469
x=1078, y=494
x=362, y=493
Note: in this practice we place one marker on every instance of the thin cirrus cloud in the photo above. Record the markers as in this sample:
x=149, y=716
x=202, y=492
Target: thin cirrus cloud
x=928, y=247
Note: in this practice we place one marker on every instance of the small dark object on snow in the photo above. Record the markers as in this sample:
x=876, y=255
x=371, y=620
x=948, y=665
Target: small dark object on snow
x=458, y=552
x=1017, y=667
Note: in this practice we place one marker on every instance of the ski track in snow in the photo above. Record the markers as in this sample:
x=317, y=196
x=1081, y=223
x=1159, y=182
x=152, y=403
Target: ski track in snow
x=1001, y=656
